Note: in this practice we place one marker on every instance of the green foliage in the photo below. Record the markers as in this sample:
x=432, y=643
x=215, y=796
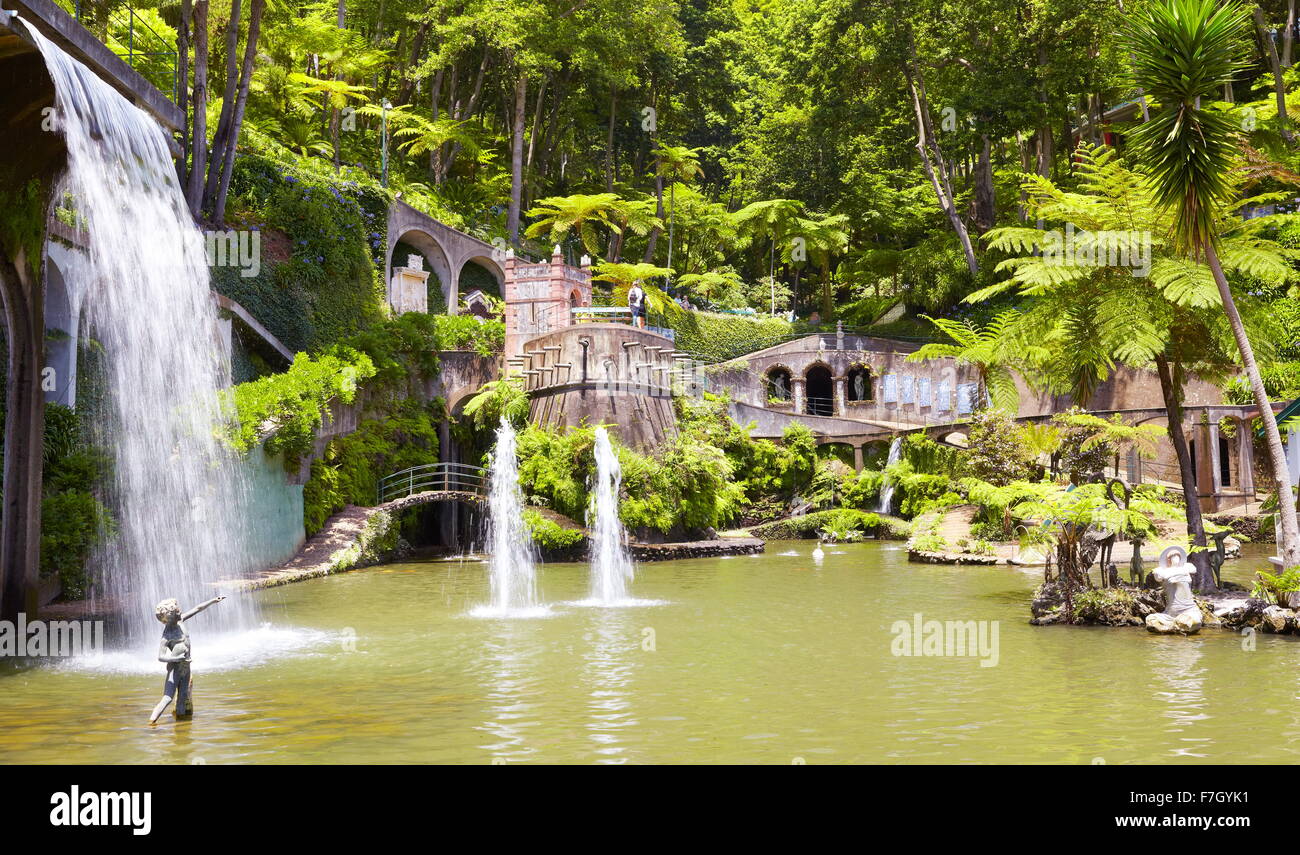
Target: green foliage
x=1083, y=448
x=717, y=338
x=497, y=399
x=996, y=449
x=688, y=485
x=989, y=349
x=930, y=543
x=1184, y=51
x=550, y=535
x=324, y=238
x=349, y=471
x=1102, y=605
x=819, y=522
x=284, y=410
x=1277, y=586
x=73, y=521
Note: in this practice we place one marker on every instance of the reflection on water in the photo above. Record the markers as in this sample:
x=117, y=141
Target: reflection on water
x=510, y=668
x=765, y=659
x=1180, y=685
x=609, y=673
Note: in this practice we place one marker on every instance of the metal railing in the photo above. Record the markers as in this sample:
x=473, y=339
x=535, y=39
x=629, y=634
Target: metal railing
x=819, y=406
x=433, y=478
x=131, y=37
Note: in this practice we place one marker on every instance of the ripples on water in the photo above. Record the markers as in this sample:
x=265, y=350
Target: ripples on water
x=767, y=659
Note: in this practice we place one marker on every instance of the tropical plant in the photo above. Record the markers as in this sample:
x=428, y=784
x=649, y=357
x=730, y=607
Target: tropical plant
x=558, y=216
x=1184, y=52
x=992, y=350
x=678, y=164
x=1091, y=308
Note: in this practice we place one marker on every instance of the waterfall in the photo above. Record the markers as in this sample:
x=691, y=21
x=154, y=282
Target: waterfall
x=512, y=567
x=611, y=565
x=177, y=493
x=886, y=486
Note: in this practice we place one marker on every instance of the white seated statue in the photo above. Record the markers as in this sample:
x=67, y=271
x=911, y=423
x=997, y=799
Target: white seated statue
x=1181, y=613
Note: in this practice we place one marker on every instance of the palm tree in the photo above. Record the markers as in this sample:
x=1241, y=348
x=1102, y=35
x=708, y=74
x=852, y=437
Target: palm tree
x=988, y=349
x=825, y=238
x=631, y=215
x=623, y=274
x=774, y=219
x=678, y=164
x=1184, y=52
x=557, y=216
x=1087, y=317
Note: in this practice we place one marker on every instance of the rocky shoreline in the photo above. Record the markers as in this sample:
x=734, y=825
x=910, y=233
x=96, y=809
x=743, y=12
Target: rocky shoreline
x=696, y=549
x=1231, y=609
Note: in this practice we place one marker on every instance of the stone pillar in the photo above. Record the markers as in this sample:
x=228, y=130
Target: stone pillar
x=63, y=294
x=1207, y=469
x=408, y=289
x=797, y=393
x=858, y=462
x=1245, y=459
x=509, y=293
x=839, y=335
x=557, y=312
x=841, y=406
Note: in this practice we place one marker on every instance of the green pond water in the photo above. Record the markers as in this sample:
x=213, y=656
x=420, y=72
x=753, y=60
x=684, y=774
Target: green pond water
x=766, y=659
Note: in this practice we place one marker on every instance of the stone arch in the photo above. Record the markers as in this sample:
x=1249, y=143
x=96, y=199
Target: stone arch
x=481, y=264
x=859, y=371
x=875, y=452
x=819, y=389
x=837, y=448
x=435, y=254
x=777, y=382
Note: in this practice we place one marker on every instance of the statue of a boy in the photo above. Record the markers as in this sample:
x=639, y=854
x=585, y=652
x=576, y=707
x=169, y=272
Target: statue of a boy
x=175, y=652
x=1181, y=613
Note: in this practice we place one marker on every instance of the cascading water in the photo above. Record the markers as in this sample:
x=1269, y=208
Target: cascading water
x=611, y=565
x=177, y=493
x=512, y=566
x=887, y=486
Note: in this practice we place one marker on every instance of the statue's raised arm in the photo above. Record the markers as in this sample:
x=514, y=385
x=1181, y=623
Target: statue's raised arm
x=200, y=607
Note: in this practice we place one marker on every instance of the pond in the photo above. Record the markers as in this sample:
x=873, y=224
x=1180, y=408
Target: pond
x=763, y=659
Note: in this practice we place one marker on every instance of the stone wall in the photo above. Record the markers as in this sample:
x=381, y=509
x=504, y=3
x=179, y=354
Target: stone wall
x=610, y=374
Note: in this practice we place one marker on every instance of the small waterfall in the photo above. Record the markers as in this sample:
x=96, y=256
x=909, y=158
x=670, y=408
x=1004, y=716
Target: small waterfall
x=611, y=565
x=886, y=486
x=512, y=568
x=177, y=493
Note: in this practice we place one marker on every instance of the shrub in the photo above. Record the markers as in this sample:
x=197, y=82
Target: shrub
x=988, y=531
x=929, y=543
x=73, y=521
x=349, y=471
x=721, y=337
x=1276, y=586
x=549, y=535
x=997, y=452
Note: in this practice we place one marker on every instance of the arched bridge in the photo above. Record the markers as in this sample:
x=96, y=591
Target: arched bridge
x=447, y=250
x=435, y=482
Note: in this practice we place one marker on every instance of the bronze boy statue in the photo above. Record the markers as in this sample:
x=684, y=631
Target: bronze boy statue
x=175, y=652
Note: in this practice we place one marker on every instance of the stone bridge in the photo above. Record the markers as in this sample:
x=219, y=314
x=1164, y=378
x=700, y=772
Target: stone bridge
x=859, y=391
x=447, y=250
